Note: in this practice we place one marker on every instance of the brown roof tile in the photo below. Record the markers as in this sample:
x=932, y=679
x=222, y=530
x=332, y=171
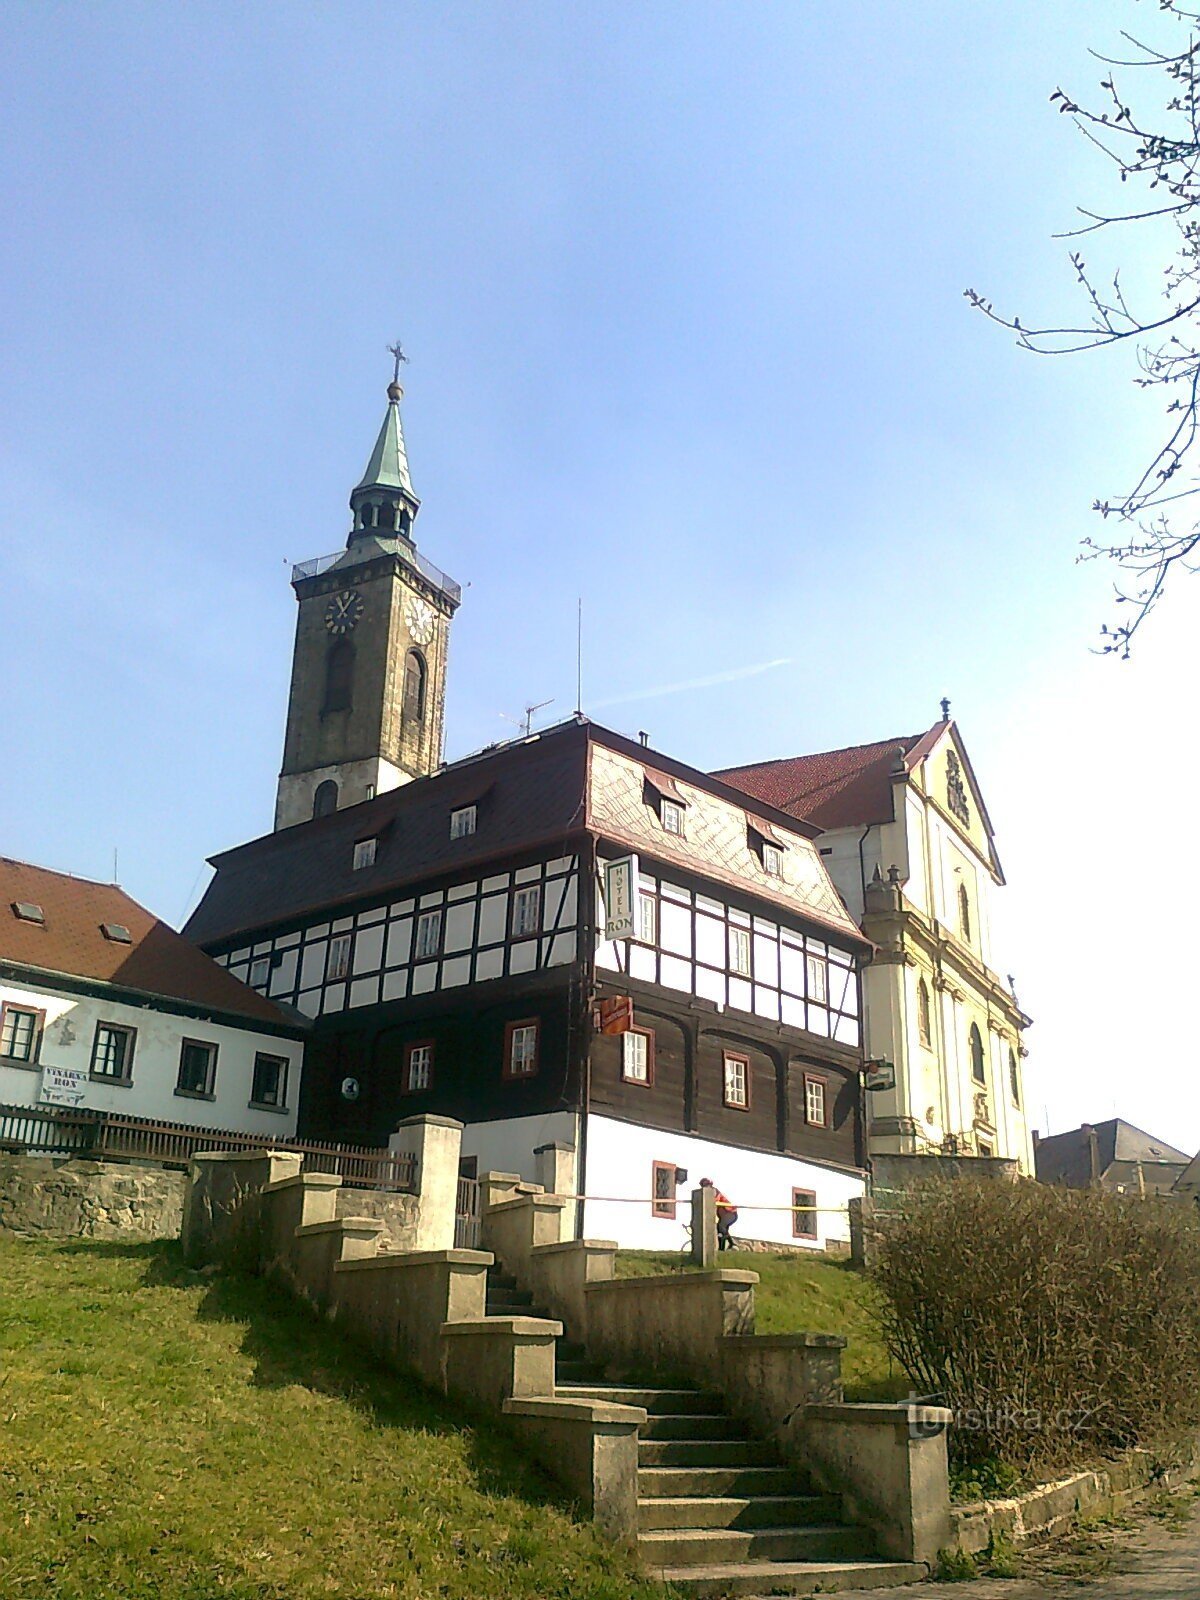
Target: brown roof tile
x=155, y=961
x=835, y=788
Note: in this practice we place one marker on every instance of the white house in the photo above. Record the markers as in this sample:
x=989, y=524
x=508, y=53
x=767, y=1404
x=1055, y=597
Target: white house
x=104, y=1007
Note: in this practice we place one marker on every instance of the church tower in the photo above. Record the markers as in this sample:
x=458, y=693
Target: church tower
x=367, y=697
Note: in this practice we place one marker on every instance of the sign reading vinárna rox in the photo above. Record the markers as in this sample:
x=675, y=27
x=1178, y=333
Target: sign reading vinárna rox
x=621, y=898
x=63, y=1086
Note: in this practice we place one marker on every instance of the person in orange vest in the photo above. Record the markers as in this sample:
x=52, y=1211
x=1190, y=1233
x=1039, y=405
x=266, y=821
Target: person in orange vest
x=726, y=1215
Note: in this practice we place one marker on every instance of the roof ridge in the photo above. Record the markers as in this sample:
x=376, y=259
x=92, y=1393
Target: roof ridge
x=72, y=877
x=837, y=750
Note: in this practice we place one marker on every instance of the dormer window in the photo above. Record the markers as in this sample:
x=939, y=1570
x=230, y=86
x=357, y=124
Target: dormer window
x=364, y=853
x=116, y=933
x=463, y=821
x=666, y=797
x=671, y=816
x=27, y=911
x=767, y=845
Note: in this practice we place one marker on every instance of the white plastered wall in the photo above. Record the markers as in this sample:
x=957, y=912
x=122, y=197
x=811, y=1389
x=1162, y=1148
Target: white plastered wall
x=507, y=1145
x=67, y=1039
x=620, y=1162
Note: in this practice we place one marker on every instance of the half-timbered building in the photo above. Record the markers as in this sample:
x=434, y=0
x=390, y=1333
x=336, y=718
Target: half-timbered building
x=462, y=943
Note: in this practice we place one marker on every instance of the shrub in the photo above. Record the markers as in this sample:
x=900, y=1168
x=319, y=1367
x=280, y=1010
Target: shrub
x=1057, y=1324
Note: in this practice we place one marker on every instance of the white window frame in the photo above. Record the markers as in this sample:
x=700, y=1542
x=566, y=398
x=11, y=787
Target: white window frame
x=209, y=1092
x=428, y=941
x=816, y=1097
x=735, y=1074
x=526, y=916
x=772, y=860
x=637, y=1056
x=671, y=814
x=418, y=1066
x=364, y=853
x=647, y=923
x=816, y=979
x=260, y=972
x=524, y=1045
x=337, y=963
x=463, y=821
x=130, y=1037
x=739, y=939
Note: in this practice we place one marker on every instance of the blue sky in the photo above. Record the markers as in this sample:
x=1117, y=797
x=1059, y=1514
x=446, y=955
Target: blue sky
x=682, y=291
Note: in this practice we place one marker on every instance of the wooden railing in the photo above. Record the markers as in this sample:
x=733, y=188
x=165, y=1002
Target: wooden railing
x=466, y=1214
x=104, y=1135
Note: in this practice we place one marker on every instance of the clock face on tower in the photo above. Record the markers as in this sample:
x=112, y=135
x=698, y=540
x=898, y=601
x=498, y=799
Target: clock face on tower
x=421, y=619
x=343, y=611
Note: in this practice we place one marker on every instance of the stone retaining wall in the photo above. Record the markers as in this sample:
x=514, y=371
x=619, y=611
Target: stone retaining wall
x=76, y=1199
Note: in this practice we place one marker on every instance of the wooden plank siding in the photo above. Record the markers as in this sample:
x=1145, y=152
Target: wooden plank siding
x=467, y=1082
x=687, y=1092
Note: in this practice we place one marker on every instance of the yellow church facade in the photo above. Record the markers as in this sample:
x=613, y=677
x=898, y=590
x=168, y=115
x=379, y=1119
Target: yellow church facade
x=907, y=840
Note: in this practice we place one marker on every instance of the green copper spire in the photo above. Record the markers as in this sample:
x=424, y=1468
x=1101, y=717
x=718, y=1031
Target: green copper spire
x=383, y=500
x=388, y=466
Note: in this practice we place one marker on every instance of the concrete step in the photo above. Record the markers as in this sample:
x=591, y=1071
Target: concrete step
x=705, y=1453
x=734, y=1511
x=510, y=1302
x=720, y=1481
x=656, y=1401
x=692, y=1425
x=722, y=1579
x=692, y=1547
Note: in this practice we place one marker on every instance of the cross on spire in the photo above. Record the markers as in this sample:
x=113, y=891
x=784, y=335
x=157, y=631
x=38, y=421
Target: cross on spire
x=398, y=355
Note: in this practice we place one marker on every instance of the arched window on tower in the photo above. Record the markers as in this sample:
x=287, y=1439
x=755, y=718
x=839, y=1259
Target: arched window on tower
x=414, y=687
x=964, y=912
x=405, y=522
x=387, y=516
x=325, y=799
x=339, y=676
x=976, y=1042
x=366, y=514
x=1014, y=1079
x=923, y=1029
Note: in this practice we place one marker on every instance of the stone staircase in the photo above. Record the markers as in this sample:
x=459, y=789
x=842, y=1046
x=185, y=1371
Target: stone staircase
x=719, y=1512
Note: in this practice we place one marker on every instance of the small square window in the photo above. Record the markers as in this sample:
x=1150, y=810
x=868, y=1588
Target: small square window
x=260, y=972
x=804, y=1214
x=526, y=911
x=815, y=1112
x=26, y=911
x=20, y=1033
x=462, y=822
x=269, y=1085
x=670, y=814
x=364, y=853
x=521, y=1049
x=637, y=1056
x=737, y=1082
x=116, y=932
x=418, y=1066
x=739, y=951
x=772, y=860
x=647, y=918
x=112, y=1053
x=339, y=958
x=197, y=1069
x=818, y=979
x=663, y=1183
x=429, y=934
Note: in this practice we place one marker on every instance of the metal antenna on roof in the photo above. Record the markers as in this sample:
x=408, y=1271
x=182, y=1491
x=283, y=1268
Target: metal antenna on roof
x=115, y=878
x=526, y=723
x=579, y=657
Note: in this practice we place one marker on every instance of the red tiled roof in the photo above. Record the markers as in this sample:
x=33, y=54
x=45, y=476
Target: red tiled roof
x=70, y=941
x=835, y=788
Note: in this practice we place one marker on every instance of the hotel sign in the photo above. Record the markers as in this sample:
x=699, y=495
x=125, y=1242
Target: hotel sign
x=620, y=898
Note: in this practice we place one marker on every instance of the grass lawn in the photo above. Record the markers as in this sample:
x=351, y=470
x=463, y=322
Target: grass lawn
x=805, y=1294
x=169, y=1436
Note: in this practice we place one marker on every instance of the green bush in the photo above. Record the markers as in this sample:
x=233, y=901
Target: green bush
x=1057, y=1324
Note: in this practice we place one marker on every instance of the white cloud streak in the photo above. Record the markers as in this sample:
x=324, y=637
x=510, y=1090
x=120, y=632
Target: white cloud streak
x=732, y=676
